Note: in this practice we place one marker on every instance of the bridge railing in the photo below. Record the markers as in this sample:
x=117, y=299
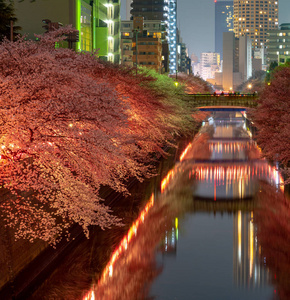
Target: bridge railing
x=246, y=100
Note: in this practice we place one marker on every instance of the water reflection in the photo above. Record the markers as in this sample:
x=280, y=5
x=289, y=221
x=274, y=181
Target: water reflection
x=272, y=219
x=249, y=268
x=232, y=167
x=200, y=237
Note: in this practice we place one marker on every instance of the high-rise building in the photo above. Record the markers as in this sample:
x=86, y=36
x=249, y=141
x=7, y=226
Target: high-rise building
x=163, y=10
x=182, y=58
x=172, y=34
x=278, y=44
x=237, y=63
x=254, y=18
x=209, y=64
x=150, y=37
x=97, y=21
x=224, y=11
x=245, y=57
x=149, y=9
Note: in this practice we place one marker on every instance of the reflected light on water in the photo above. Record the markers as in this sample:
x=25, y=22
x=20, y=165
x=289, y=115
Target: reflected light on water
x=251, y=261
x=123, y=246
x=90, y=296
x=167, y=179
x=185, y=152
x=222, y=174
x=240, y=236
x=172, y=173
x=219, y=174
x=228, y=147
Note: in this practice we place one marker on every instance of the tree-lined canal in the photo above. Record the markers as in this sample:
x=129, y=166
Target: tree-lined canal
x=196, y=239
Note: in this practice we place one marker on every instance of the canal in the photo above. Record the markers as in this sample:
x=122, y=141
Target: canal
x=201, y=235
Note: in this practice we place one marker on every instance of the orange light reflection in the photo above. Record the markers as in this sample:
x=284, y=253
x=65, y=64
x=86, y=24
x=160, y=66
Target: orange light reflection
x=185, y=152
x=126, y=240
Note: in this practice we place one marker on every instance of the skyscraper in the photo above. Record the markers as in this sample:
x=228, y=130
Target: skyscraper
x=237, y=63
x=278, y=44
x=224, y=11
x=172, y=31
x=255, y=18
x=149, y=9
x=209, y=64
x=163, y=10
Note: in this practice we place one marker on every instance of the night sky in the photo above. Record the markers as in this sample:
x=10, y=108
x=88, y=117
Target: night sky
x=195, y=19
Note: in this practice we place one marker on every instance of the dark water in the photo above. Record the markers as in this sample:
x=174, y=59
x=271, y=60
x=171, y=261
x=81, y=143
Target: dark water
x=216, y=255
x=200, y=238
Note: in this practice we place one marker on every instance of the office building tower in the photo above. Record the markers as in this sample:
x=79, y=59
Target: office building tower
x=237, y=63
x=254, y=18
x=151, y=35
x=209, y=64
x=149, y=9
x=245, y=57
x=278, y=44
x=97, y=22
x=224, y=11
x=183, y=61
x=172, y=34
x=163, y=10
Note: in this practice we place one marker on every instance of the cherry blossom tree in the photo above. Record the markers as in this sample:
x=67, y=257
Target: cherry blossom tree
x=193, y=84
x=272, y=118
x=69, y=125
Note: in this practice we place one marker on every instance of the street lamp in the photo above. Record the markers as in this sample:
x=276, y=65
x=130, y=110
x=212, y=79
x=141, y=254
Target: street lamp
x=176, y=81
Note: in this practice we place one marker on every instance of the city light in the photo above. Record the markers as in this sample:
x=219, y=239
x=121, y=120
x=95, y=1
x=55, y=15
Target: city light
x=171, y=32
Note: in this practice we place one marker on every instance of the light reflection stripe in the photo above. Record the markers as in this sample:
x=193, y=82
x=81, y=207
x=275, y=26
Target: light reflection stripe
x=123, y=246
x=220, y=173
x=185, y=151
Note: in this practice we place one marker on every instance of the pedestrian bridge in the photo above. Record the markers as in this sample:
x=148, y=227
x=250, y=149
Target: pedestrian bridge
x=242, y=100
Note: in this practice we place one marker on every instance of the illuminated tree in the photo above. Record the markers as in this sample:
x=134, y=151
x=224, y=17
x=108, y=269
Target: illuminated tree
x=70, y=124
x=272, y=118
x=193, y=84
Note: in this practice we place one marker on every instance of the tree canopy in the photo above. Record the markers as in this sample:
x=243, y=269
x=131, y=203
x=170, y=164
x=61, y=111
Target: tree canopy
x=70, y=124
x=272, y=118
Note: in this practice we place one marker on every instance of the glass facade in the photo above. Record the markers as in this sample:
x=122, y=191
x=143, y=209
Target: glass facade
x=86, y=27
x=98, y=22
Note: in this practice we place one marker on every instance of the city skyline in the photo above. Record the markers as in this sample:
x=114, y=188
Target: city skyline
x=196, y=21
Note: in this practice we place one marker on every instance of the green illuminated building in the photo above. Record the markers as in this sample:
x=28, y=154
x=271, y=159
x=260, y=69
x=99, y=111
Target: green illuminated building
x=98, y=22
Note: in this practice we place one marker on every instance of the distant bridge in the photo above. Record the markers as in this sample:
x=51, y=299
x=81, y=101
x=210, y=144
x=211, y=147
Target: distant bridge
x=242, y=100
